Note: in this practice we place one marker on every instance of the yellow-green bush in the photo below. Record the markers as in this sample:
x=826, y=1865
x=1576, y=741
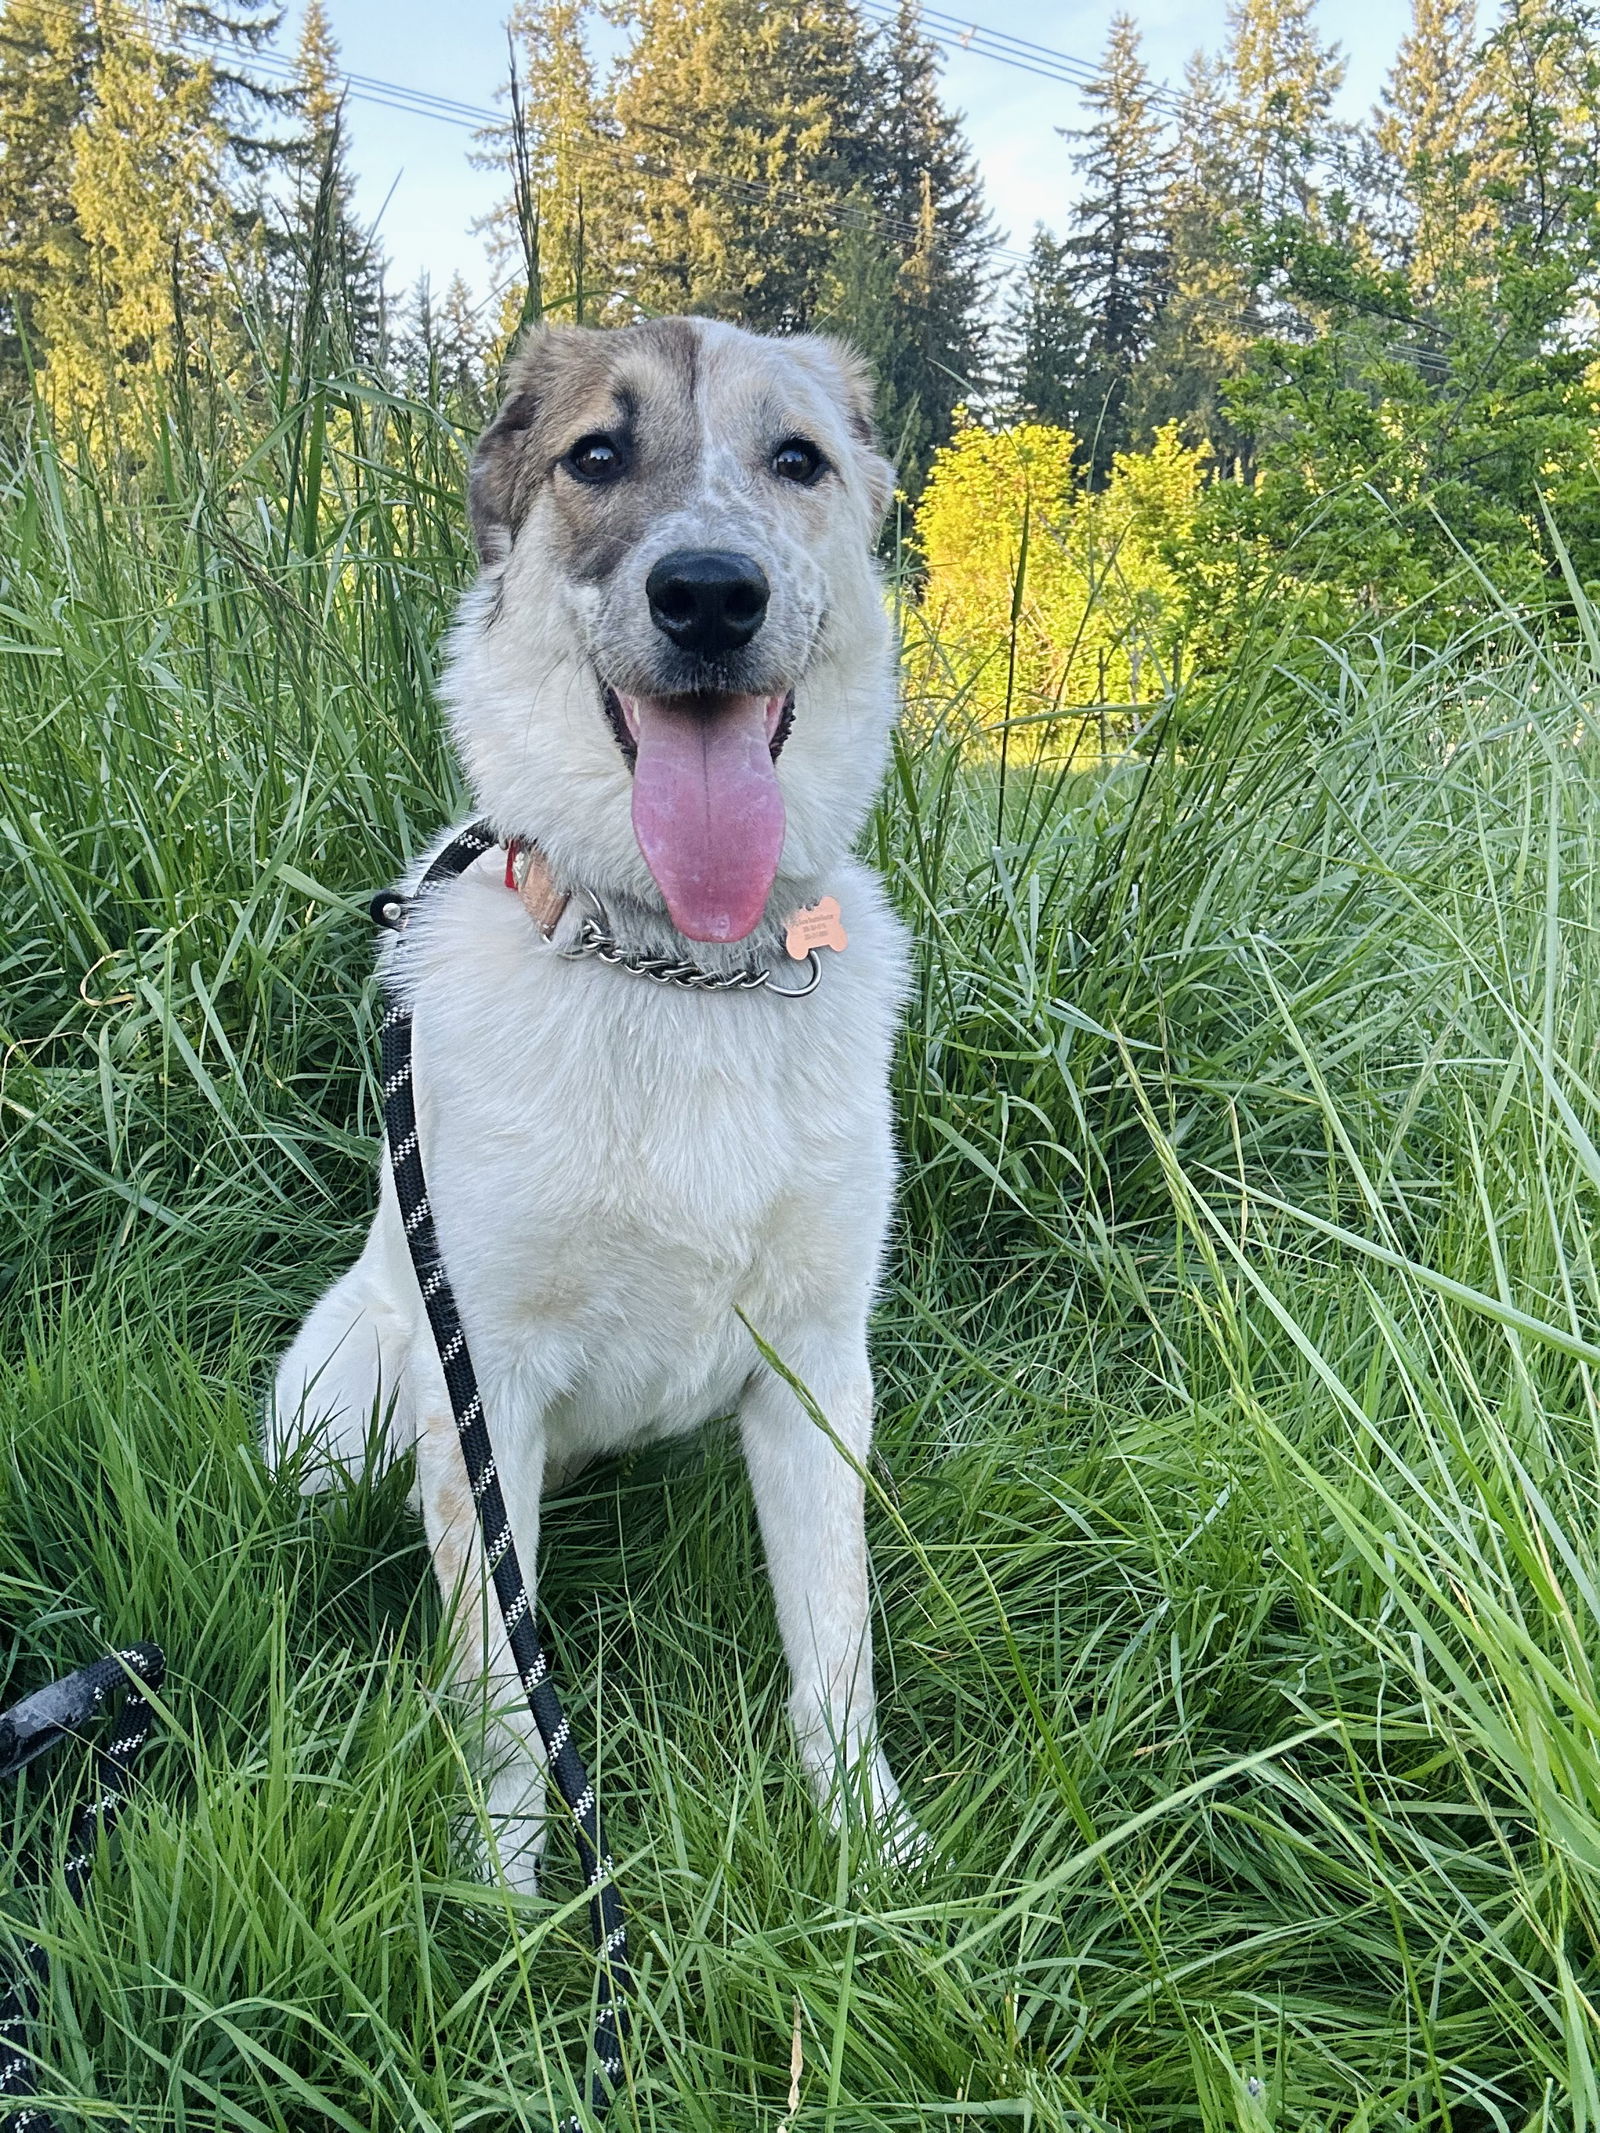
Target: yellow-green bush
x=1041, y=597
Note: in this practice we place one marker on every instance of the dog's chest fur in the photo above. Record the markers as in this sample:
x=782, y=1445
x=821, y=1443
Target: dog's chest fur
x=618, y=1168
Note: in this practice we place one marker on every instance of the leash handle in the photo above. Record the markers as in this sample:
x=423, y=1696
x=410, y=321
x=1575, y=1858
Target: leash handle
x=606, y=1921
x=39, y=1723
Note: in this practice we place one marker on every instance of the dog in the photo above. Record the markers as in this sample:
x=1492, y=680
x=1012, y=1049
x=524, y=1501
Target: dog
x=672, y=687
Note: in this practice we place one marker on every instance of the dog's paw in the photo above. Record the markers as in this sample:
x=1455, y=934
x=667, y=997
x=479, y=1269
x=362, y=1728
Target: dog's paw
x=868, y=1800
x=901, y=1838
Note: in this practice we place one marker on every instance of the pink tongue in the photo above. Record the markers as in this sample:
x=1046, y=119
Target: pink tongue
x=707, y=810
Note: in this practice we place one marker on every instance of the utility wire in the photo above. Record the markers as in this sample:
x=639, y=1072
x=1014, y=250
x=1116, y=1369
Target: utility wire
x=396, y=96
x=955, y=34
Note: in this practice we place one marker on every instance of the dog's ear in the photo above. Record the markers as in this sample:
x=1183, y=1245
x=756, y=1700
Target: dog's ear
x=492, y=480
x=498, y=483
x=848, y=377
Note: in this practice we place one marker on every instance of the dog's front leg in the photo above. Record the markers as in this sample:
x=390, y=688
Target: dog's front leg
x=810, y=1502
x=513, y=1754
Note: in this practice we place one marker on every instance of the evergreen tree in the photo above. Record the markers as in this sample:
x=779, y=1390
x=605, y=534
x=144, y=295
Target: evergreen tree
x=249, y=116
x=118, y=143
x=1282, y=83
x=144, y=202
x=1046, y=335
x=48, y=50
x=416, y=339
x=919, y=172
x=742, y=130
x=559, y=144
x=464, y=346
x=1120, y=247
x=1430, y=141
x=1256, y=141
x=860, y=300
x=240, y=102
x=1209, y=318
x=443, y=350
x=782, y=167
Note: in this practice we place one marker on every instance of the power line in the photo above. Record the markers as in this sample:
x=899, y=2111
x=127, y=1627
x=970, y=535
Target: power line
x=953, y=33
x=949, y=32
x=363, y=88
x=422, y=103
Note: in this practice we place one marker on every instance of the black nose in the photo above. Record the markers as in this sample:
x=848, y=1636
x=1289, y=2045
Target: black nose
x=706, y=600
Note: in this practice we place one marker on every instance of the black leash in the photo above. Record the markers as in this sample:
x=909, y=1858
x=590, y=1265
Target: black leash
x=32, y=1728
x=500, y=1553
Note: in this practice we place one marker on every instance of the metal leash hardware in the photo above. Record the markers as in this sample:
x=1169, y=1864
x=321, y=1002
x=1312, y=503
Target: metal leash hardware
x=39, y=1723
x=500, y=1554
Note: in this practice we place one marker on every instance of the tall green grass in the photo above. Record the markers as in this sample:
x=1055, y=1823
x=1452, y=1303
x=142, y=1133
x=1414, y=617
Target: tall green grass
x=1237, y=1521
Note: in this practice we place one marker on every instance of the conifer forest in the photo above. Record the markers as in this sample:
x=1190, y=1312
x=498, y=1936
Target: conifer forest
x=1235, y=1500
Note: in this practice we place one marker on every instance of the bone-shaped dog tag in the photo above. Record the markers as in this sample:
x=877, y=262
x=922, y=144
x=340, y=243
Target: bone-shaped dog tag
x=817, y=925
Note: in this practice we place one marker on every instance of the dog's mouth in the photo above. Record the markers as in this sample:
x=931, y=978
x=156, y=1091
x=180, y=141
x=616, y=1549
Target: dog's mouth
x=707, y=810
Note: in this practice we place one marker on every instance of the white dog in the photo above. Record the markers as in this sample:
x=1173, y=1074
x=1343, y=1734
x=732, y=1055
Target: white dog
x=672, y=687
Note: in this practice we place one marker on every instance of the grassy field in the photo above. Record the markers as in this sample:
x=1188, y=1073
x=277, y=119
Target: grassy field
x=1237, y=1522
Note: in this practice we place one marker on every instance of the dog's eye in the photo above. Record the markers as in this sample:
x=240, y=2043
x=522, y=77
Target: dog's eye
x=597, y=458
x=797, y=459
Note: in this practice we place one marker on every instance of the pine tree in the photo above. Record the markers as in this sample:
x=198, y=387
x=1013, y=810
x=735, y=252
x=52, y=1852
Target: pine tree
x=1210, y=317
x=112, y=131
x=1046, y=335
x=918, y=170
x=860, y=300
x=443, y=350
x=340, y=264
x=48, y=50
x=145, y=203
x=1120, y=247
x=742, y=129
x=241, y=103
x=782, y=167
x=464, y=347
x=416, y=340
x=1430, y=142
x=1282, y=80
x=1257, y=143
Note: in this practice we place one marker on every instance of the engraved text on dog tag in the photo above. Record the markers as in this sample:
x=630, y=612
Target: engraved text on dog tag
x=817, y=925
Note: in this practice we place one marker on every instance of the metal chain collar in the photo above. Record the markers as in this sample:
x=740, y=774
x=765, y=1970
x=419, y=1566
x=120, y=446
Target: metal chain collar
x=594, y=939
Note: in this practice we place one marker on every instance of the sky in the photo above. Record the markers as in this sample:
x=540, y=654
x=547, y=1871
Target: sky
x=415, y=174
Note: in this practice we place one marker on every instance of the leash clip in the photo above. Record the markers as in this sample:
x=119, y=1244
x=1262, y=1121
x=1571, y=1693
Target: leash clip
x=45, y=1719
x=61, y=1709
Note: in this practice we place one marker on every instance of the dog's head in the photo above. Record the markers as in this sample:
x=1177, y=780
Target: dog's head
x=676, y=667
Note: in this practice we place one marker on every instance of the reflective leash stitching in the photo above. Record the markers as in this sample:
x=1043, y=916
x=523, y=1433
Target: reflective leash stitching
x=32, y=1728
x=606, y=1920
